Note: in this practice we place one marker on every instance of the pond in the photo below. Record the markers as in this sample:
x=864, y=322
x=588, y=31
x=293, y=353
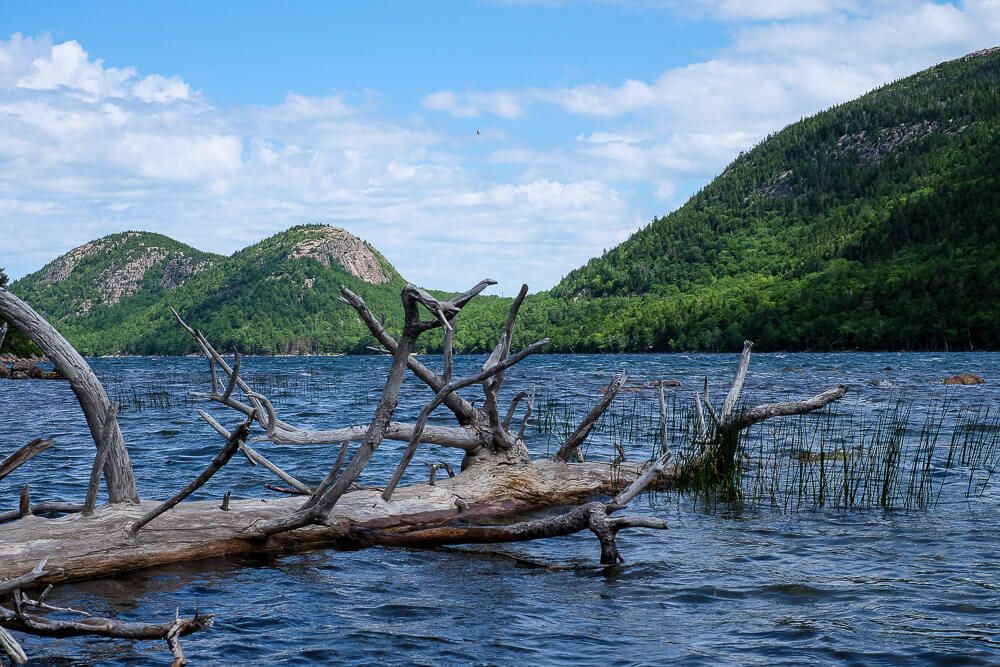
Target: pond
x=765, y=580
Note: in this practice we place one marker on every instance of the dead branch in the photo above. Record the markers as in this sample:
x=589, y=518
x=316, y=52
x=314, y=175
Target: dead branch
x=486, y=373
x=104, y=627
x=573, y=442
x=221, y=459
x=255, y=457
x=23, y=455
x=8, y=586
x=737, y=387
x=759, y=413
x=102, y=454
x=88, y=389
x=463, y=410
x=330, y=491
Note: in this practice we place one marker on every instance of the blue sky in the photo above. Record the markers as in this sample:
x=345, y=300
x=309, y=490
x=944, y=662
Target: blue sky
x=464, y=139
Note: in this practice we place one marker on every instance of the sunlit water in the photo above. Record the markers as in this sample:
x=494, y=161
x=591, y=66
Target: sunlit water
x=738, y=585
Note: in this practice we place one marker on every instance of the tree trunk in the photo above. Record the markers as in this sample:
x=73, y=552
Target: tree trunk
x=82, y=547
x=88, y=389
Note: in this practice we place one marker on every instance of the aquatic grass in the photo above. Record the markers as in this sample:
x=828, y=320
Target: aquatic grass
x=889, y=459
x=852, y=456
x=900, y=454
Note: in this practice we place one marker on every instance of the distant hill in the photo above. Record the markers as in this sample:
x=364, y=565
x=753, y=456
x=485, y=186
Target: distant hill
x=112, y=296
x=129, y=269
x=875, y=224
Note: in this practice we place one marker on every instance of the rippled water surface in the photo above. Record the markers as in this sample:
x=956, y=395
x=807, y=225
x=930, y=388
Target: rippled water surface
x=749, y=584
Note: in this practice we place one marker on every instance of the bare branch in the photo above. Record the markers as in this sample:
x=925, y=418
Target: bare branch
x=741, y=375
x=329, y=479
x=462, y=409
x=769, y=410
x=102, y=452
x=255, y=457
x=8, y=644
x=455, y=385
x=105, y=627
x=234, y=376
x=527, y=415
x=641, y=482
x=23, y=455
x=521, y=395
x=221, y=459
x=578, y=437
x=25, y=580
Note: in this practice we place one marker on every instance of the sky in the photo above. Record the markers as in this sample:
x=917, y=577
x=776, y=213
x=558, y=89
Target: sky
x=507, y=139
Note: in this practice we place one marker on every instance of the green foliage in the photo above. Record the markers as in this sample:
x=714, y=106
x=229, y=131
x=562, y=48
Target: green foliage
x=260, y=300
x=875, y=224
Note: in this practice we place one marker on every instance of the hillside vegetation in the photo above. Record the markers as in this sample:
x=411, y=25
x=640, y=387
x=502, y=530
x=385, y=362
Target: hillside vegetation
x=277, y=296
x=873, y=225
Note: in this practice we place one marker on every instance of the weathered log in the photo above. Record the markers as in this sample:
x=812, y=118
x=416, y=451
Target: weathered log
x=474, y=506
x=88, y=389
x=81, y=547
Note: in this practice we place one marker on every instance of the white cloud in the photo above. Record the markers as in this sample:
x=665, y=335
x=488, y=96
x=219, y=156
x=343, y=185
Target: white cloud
x=89, y=149
x=67, y=65
x=161, y=89
x=474, y=104
x=735, y=10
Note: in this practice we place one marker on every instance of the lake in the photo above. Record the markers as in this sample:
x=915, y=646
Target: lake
x=760, y=582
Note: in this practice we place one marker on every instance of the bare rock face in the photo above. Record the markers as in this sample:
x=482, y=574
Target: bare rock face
x=331, y=244
x=177, y=270
x=120, y=282
x=965, y=378
x=60, y=269
x=124, y=278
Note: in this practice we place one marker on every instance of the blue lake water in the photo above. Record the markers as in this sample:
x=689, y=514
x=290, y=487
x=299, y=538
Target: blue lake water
x=752, y=584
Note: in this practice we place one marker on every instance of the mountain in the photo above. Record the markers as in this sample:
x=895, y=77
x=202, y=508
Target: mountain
x=113, y=295
x=129, y=270
x=873, y=225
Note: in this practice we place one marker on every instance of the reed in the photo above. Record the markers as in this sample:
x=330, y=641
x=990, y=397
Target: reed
x=853, y=456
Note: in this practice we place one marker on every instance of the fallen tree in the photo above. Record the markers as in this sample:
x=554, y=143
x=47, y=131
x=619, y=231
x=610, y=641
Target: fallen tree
x=498, y=482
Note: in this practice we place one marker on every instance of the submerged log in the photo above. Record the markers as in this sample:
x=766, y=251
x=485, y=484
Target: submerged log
x=81, y=547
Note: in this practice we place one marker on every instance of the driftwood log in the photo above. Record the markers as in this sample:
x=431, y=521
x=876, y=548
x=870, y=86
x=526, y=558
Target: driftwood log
x=498, y=483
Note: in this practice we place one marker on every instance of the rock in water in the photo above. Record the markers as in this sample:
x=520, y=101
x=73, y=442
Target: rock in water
x=965, y=378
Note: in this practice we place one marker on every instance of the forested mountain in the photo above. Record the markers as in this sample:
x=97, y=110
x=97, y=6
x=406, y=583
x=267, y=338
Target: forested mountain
x=277, y=296
x=875, y=224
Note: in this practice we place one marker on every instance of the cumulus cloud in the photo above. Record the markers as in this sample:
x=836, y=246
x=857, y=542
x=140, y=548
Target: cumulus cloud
x=91, y=148
x=787, y=59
